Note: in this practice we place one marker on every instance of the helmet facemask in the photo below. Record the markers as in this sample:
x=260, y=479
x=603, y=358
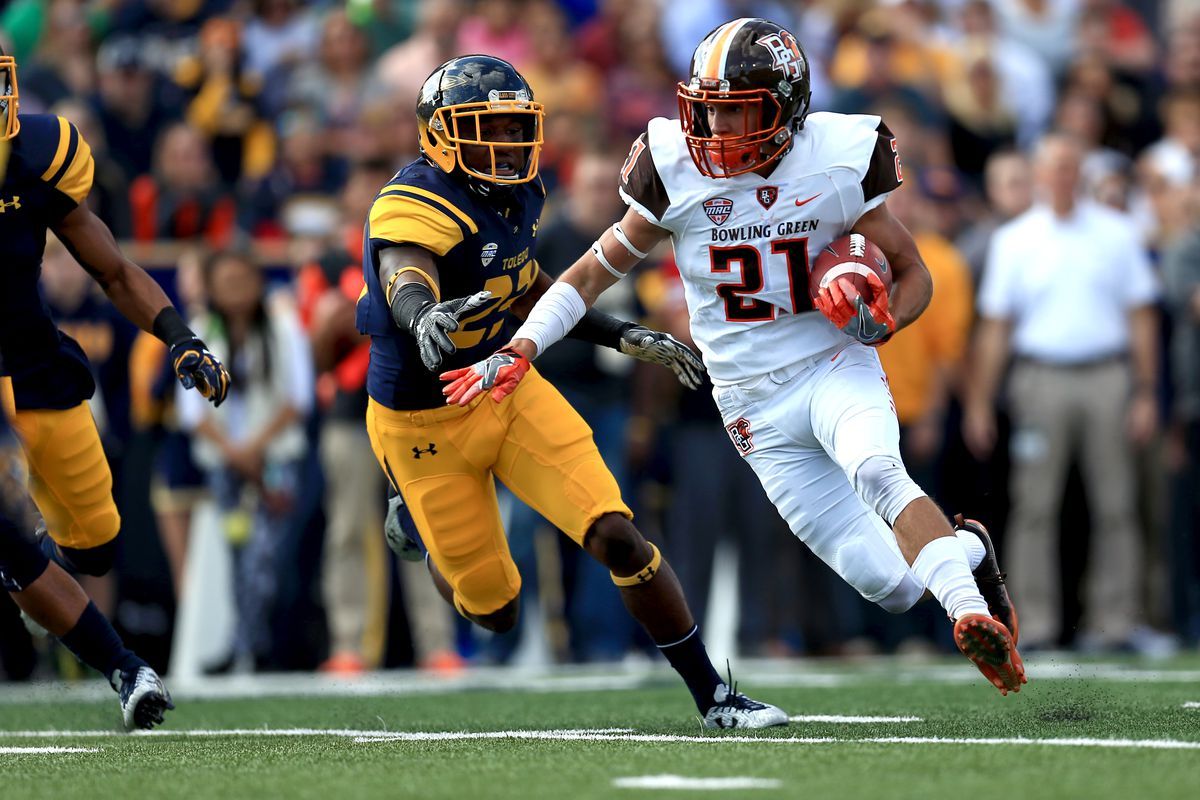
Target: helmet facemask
x=9, y=122
x=766, y=135
x=451, y=128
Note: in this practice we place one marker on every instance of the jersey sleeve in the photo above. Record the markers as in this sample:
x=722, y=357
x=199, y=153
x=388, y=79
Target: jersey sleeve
x=641, y=187
x=884, y=174
x=69, y=168
x=414, y=215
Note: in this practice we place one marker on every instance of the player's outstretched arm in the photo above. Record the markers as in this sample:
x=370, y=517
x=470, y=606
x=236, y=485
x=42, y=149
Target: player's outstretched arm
x=142, y=301
x=912, y=288
x=564, y=309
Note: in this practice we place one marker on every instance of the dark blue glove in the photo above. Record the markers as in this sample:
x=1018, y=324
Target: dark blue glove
x=196, y=367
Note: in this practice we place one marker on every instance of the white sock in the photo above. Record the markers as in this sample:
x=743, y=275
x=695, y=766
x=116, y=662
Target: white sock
x=975, y=549
x=942, y=566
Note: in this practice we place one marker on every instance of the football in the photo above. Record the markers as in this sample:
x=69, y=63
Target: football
x=851, y=256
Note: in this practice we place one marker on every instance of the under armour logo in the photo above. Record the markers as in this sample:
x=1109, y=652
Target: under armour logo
x=431, y=450
x=14, y=204
x=646, y=574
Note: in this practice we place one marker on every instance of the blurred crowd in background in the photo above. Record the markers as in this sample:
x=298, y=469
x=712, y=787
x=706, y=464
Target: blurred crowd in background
x=238, y=147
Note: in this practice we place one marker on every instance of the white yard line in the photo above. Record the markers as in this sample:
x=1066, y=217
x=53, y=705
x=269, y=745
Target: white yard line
x=704, y=784
x=605, y=735
x=20, y=751
x=1191, y=704
x=838, y=718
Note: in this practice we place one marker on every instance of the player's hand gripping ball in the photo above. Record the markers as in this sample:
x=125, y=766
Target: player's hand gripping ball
x=850, y=284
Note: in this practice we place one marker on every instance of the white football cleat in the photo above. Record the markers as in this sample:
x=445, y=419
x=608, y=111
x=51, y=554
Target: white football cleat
x=735, y=710
x=144, y=699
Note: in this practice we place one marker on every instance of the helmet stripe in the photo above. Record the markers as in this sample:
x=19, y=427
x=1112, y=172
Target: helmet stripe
x=714, y=63
x=727, y=45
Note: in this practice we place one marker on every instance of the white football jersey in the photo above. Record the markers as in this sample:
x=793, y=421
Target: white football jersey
x=744, y=244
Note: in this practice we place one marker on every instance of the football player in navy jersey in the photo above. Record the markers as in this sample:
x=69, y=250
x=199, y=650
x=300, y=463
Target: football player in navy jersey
x=47, y=173
x=448, y=256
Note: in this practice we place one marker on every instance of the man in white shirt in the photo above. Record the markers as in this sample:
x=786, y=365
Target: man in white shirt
x=1068, y=292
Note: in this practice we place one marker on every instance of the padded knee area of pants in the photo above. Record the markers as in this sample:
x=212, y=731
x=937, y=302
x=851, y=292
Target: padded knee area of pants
x=868, y=567
x=487, y=586
x=21, y=560
x=883, y=484
x=92, y=560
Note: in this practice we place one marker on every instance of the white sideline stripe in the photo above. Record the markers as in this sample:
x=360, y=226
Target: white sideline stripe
x=18, y=751
x=850, y=720
x=603, y=735
x=682, y=782
x=1191, y=704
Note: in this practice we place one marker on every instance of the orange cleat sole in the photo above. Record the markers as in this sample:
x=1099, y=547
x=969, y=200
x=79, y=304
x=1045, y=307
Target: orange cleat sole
x=990, y=647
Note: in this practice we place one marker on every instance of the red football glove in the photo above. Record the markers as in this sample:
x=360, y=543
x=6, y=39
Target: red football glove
x=500, y=372
x=870, y=322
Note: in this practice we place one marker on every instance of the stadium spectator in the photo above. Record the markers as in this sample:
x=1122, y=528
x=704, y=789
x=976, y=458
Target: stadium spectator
x=252, y=445
x=982, y=118
x=406, y=65
x=1083, y=385
x=1045, y=26
x=334, y=85
x=1181, y=283
x=64, y=65
x=129, y=105
x=225, y=103
x=278, y=36
x=497, y=27
x=1009, y=192
x=183, y=199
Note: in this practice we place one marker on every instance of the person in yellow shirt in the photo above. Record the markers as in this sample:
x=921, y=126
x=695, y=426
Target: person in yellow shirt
x=923, y=362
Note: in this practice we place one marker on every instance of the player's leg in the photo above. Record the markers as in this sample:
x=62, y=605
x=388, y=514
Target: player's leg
x=438, y=460
x=70, y=482
x=550, y=461
x=45, y=592
x=852, y=416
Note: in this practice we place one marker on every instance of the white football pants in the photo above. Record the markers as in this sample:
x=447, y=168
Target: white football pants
x=807, y=431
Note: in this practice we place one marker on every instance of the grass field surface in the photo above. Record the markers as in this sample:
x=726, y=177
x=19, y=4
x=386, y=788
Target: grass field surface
x=882, y=729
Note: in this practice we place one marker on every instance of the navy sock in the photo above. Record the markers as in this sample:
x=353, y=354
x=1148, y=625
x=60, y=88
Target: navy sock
x=50, y=548
x=690, y=660
x=95, y=643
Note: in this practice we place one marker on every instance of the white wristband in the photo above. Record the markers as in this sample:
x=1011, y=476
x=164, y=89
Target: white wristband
x=552, y=316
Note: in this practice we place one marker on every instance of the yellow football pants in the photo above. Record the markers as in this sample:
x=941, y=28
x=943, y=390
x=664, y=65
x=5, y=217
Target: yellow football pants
x=443, y=460
x=69, y=476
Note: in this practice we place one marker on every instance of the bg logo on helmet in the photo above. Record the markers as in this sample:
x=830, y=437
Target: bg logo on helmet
x=785, y=52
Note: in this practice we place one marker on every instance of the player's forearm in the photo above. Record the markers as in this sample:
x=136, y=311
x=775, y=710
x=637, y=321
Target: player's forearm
x=139, y=298
x=911, y=293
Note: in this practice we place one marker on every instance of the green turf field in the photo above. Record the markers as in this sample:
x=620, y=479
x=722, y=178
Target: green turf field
x=379, y=737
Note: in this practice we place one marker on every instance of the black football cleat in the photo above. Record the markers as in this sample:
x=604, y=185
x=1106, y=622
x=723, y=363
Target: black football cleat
x=989, y=578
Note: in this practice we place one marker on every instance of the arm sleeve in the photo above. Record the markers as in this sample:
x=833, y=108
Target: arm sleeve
x=641, y=187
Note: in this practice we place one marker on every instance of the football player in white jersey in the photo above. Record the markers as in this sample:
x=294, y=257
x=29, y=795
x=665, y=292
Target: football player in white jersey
x=750, y=187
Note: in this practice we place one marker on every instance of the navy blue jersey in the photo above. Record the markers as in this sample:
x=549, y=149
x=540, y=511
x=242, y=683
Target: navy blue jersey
x=476, y=244
x=47, y=175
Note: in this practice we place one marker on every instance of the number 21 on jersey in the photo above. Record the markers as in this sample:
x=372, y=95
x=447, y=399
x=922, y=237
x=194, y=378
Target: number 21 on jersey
x=740, y=303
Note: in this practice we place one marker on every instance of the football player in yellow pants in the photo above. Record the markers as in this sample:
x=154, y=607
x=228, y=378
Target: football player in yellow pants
x=46, y=168
x=460, y=222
